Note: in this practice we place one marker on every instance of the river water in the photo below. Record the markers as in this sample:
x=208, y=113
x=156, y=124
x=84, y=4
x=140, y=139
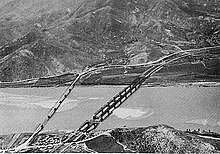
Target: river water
x=21, y=109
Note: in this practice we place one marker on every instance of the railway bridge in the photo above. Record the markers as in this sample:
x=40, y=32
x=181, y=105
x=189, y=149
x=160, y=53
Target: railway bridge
x=107, y=109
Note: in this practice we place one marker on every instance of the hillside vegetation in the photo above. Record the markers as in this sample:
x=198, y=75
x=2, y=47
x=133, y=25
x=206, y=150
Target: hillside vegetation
x=40, y=38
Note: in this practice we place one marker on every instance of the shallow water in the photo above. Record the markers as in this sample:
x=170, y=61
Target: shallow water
x=21, y=109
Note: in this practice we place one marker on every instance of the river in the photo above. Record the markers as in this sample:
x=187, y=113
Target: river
x=21, y=109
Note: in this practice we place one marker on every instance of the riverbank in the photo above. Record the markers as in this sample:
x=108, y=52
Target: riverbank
x=182, y=74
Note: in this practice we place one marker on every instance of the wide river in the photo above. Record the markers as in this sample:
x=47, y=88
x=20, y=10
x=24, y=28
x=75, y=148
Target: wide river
x=21, y=109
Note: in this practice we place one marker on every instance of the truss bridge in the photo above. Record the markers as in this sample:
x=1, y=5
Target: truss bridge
x=108, y=108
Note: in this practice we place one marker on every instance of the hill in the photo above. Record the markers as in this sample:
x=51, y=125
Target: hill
x=152, y=139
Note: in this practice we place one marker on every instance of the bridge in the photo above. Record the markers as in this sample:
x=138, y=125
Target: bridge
x=105, y=111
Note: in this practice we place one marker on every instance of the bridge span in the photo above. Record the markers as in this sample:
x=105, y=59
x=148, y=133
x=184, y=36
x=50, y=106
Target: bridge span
x=107, y=109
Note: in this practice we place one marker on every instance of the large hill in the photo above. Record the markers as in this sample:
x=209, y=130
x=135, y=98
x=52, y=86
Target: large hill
x=40, y=38
x=152, y=139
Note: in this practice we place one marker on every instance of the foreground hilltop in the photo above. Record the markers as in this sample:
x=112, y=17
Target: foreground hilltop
x=41, y=38
x=153, y=139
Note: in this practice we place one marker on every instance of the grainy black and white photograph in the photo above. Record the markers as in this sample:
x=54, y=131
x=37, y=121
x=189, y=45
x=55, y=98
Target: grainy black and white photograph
x=110, y=76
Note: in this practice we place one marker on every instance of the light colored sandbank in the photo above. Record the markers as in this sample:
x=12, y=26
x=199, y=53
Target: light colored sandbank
x=37, y=102
x=204, y=122
x=198, y=121
x=133, y=113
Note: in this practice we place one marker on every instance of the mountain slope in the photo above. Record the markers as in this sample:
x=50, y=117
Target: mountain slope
x=67, y=36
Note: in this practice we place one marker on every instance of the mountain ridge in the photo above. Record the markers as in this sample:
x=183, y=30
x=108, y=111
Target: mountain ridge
x=76, y=34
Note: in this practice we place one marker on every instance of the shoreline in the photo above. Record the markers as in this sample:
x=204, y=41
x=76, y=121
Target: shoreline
x=180, y=84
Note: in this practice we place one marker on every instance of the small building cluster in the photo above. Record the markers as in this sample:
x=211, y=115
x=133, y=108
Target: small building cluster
x=203, y=132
